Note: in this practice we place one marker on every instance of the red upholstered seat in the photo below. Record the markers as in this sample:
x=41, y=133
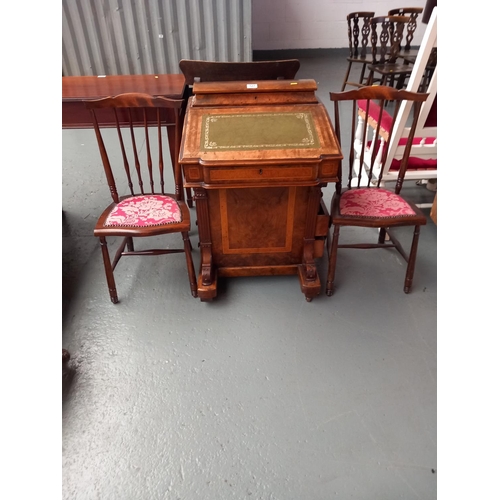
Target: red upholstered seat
x=373, y=202
x=145, y=211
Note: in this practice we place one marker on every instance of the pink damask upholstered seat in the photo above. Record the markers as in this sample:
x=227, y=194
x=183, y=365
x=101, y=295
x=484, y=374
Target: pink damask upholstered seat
x=145, y=209
x=379, y=203
x=363, y=202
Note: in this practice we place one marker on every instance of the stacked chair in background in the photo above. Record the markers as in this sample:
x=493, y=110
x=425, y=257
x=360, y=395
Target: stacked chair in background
x=422, y=77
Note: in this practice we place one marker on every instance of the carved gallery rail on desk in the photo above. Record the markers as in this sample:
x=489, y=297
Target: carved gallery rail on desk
x=257, y=155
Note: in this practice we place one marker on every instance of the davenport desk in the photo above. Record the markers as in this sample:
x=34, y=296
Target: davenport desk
x=257, y=155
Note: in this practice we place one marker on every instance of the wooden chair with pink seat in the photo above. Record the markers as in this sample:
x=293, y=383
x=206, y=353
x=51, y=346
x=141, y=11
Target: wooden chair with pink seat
x=362, y=202
x=137, y=176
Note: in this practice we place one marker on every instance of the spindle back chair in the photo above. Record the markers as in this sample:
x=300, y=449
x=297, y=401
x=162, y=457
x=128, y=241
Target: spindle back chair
x=364, y=204
x=144, y=208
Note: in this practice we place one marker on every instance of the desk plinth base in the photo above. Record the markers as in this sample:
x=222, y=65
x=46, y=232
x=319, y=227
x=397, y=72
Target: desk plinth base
x=310, y=288
x=268, y=231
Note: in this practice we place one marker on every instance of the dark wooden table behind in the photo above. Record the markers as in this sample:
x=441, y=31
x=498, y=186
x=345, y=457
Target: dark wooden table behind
x=77, y=89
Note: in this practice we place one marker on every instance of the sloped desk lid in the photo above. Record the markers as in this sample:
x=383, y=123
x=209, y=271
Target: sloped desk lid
x=243, y=134
x=241, y=123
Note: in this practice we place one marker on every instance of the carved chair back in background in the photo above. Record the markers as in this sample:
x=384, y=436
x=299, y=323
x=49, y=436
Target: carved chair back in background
x=358, y=32
x=386, y=37
x=412, y=13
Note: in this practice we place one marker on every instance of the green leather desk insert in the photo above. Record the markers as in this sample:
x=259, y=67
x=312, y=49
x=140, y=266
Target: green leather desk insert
x=253, y=131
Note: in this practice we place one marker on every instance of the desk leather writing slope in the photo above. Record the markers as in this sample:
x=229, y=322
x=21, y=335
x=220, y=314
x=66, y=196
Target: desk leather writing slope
x=257, y=155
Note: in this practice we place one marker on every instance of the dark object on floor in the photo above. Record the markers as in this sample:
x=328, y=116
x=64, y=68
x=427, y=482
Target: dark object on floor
x=65, y=356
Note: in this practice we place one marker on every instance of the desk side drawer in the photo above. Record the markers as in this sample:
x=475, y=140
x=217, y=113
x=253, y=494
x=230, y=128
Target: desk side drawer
x=321, y=233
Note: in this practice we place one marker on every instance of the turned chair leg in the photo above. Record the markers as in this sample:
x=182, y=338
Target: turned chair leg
x=130, y=244
x=332, y=261
x=109, y=270
x=362, y=77
x=346, y=76
x=381, y=235
x=411, y=260
x=190, y=266
x=189, y=197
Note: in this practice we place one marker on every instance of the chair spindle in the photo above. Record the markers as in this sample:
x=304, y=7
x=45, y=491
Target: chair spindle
x=136, y=156
x=148, y=152
x=160, y=151
x=105, y=159
x=124, y=154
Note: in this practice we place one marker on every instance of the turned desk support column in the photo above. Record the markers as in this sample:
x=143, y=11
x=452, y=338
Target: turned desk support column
x=207, y=280
x=309, y=279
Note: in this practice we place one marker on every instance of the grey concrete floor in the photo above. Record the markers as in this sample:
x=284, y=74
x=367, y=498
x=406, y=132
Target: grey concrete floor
x=258, y=394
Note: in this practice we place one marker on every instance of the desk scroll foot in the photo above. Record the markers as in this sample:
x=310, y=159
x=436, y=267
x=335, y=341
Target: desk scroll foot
x=310, y=288
x=206, y=293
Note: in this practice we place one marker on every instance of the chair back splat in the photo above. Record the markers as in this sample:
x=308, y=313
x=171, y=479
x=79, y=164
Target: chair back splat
x=412, y=13
x=387, y=33
x=363, y=202
x=136, y=177
x=386, y=36
x=354, y=19
x=358, y=33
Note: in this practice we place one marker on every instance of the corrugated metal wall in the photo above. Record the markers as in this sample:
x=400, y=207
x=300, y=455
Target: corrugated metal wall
x=127, y=37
